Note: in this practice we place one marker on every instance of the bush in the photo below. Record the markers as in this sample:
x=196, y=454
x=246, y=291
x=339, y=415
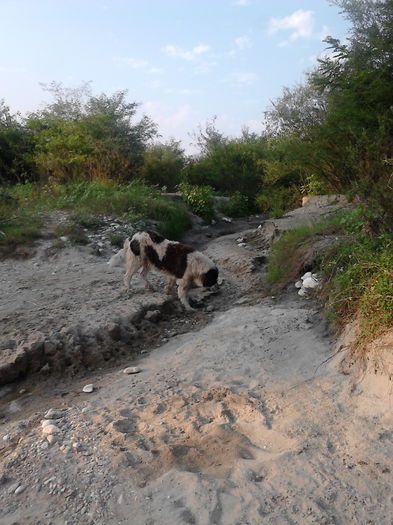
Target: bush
x=238, y=206
x=200, y=200
x=275, y=201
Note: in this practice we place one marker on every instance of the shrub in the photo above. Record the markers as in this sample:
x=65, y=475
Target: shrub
x=199, y=198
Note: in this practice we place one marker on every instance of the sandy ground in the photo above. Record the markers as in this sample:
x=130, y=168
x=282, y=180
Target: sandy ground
x=234, y=418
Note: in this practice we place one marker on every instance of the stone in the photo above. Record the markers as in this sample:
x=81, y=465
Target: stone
x=307, y=274
x=54, y=413
x=88, y=388
x=302, y=292
x=46, y=422
x=242, y=244
x=132, y=370
x=51, y=439
x=298, y=284
x=153, y=315
x=51, y=429
x=19, y=490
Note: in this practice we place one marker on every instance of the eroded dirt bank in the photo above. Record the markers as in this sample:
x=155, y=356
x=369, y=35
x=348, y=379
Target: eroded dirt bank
x=237, y=421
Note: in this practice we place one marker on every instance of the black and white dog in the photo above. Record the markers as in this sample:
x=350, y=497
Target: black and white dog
x=182, y=263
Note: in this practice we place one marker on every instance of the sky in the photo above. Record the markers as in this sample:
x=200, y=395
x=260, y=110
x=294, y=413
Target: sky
x=184, y=61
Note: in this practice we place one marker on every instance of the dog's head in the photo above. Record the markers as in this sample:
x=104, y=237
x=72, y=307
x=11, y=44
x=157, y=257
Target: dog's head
x=209, y=278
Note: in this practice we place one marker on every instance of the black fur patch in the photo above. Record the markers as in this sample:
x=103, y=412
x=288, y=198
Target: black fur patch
x=135, y=247
x=210, y=277
x=155, y=237
x=152, y=256
x=174, y=261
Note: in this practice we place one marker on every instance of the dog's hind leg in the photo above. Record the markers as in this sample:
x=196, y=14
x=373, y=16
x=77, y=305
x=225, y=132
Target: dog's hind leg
x=183, y=296
x=143, y=274
x=132, y=266
x=170, y=285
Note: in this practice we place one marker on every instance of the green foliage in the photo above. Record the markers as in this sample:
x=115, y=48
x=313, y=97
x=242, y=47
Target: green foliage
x=357, y=270
x=163, y=164
x=229, y=165
x=276, y=200
x=199, y=198
x=81, y=136
x=238, y=206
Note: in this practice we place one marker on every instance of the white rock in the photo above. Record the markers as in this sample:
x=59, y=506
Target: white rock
x=302, y=292
x=132, y=370
x=240, y=239
x=310, y=282
x=88, y=388
x=226, y=219
x=242, y=244
x=298, y=284
x=6, y=437
x=308, y=274
x=46, y=422
x=19, y=490
x=51, y=429
x=51, y=439
x=64, y=238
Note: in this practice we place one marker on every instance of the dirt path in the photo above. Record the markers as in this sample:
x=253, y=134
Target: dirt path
x=235, y=421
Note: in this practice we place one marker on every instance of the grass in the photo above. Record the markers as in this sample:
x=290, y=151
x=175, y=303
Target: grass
x=22, y=206
x=357, y=271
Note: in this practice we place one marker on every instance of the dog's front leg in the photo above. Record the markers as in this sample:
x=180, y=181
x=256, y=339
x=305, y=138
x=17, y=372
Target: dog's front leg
x=183, y=296
x=144, y=272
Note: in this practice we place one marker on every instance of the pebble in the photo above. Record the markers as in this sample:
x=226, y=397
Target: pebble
x=6, y=437
x=242, y=244
x=210, y=308
x=88, y=388
x=51, y=439
x=54, y=413
x=298, y=284
x=46, y=422
x=51, y=429
x=132, y=370
x=19, y=490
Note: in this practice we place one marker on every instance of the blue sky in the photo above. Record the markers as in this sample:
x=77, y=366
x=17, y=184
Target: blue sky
x=185, y=61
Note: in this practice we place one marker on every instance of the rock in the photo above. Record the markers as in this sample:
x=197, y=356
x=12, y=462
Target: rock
x=64, y=238
x=226, y=219
x=302, y=292
x=54, y=413
x=51, y=429
x=298, y=284
x=51, y=439
x=242, y=244
x=310, y=282
x=88, y=388
x=240, y=239
x=132, y=370
x=19, y=490
x=210, y=308
x=307, y=274
x=153, y=316
x=6, y=437
x=46, y=422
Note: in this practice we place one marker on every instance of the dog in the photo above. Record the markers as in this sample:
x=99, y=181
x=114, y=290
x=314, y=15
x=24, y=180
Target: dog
x=180, y=262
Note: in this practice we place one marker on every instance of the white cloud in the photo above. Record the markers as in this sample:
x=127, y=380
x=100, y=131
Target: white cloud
x=243, y=42
x=300, y=22
x=244, y=77
x=156, y=70
x=178, y=52
x=5, y=69
x=189, y=91
x=134, y=63
x=241, y=2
